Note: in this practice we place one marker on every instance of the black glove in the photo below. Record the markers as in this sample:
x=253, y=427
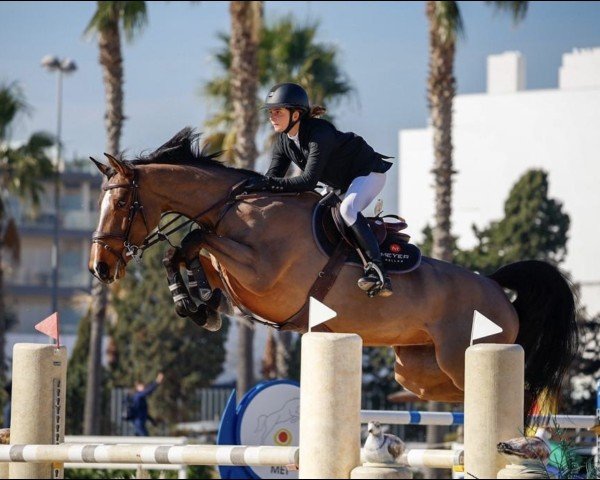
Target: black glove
x=257, y=184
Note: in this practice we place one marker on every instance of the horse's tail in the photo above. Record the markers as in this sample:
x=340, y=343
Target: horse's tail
x=545, y=305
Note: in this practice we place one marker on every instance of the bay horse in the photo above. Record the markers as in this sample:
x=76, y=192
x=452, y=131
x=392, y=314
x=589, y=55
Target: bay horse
x=265, y=251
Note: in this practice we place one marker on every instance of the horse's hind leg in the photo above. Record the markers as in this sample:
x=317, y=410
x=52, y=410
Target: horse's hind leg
x=417, y=370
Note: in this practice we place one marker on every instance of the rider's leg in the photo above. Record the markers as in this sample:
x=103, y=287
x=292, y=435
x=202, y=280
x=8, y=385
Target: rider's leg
x=360, y=194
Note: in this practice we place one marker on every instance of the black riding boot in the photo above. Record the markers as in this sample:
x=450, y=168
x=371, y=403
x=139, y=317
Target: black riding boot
x=375, y=281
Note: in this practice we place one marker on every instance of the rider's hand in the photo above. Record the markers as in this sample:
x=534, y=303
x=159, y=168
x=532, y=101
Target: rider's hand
x=257, y=184
x=159, y=377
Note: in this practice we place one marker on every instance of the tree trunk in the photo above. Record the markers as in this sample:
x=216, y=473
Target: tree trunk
x=93, y=390
x=441, y=91
x=109, y=43
x=246, y=22
x=245, y=358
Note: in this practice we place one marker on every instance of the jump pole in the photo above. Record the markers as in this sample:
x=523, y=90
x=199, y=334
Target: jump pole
x=494, y=403
x=39, y=383
x=330, y=394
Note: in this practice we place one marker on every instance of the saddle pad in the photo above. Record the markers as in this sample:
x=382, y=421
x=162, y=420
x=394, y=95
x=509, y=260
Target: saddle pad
x=398, y=255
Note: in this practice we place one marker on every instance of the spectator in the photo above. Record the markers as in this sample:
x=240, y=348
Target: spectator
x=138, y=413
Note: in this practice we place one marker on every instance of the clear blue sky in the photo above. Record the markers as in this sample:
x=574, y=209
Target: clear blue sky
x=383, y=50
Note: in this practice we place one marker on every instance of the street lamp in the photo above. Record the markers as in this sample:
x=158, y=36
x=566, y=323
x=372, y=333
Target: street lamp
x=62, y=66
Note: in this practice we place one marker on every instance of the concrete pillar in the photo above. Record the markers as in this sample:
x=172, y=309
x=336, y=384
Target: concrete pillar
x=494, y=402
x=330, y=394
x=39, y=382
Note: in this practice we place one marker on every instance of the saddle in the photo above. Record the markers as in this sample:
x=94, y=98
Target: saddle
x=329, y=229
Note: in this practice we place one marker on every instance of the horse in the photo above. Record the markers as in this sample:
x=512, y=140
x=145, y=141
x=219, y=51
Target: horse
x=262, y=248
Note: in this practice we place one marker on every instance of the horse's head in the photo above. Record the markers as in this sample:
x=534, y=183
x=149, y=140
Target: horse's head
x=123, y=222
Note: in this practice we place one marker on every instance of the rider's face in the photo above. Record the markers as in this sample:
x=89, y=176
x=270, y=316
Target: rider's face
x=279, y=118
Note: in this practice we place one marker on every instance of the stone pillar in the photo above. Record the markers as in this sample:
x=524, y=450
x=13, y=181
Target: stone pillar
x=330, y=394
x=494, y=399
x=39, y=382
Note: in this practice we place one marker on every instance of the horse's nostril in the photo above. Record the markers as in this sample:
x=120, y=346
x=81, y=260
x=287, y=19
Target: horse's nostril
x=102, y=270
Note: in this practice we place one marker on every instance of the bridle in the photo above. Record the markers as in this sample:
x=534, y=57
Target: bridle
x=135, y=206
x=151, y=238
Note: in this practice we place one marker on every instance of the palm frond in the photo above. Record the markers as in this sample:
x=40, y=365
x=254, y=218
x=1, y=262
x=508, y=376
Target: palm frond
x=12, y=104
x=448, y=20
x=132, y=17
x=518, y=9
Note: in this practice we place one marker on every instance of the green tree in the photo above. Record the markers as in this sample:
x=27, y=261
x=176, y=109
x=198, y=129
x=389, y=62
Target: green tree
x=534, y=227
x=22, y=169
x=109, y=21
x=287, y=52
x=151, y=338
x=77, y=380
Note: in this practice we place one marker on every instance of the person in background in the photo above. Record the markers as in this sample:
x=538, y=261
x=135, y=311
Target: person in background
x=139, y=405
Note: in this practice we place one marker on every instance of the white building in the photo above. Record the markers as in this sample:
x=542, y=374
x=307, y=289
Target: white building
x=498, y=135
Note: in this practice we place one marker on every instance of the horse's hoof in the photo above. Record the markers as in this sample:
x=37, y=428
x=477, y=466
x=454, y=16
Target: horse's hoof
x=214, y=322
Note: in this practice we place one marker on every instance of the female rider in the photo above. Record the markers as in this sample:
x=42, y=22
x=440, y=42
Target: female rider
x=343, y=161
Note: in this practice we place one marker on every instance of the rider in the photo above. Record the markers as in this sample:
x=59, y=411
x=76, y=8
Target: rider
x=343, y=161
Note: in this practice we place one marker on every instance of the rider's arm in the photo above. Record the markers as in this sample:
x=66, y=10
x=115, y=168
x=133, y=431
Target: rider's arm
x=280, y=162
x=320, y=147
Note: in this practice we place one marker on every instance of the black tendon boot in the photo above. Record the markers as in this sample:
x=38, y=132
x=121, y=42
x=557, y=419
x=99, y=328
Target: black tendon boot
x=375, y=281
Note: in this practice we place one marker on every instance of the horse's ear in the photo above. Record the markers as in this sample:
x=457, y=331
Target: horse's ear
x=104, y=169
x=119, y=166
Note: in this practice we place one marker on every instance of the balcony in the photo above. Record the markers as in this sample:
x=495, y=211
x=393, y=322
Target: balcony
x=74, y=220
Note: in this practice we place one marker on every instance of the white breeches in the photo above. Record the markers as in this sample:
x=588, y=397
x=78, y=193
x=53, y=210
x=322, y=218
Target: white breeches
x=361, y=192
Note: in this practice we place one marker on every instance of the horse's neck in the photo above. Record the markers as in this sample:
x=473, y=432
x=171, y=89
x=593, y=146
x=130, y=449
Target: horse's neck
x=190, y=190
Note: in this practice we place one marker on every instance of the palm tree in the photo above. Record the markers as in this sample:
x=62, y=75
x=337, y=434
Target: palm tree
x=246, y=23
x=109, y=20
x=445, y=25
x=21, y=171
x=287, y=53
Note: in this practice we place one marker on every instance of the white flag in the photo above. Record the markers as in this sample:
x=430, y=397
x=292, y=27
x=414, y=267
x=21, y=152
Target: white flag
x=318, y=313
x=483, y=327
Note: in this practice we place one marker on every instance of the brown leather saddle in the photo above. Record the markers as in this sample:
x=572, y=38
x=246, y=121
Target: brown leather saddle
x=329, y=229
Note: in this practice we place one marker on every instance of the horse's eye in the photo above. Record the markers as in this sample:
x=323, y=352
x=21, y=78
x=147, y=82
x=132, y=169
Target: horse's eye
x=121, y=204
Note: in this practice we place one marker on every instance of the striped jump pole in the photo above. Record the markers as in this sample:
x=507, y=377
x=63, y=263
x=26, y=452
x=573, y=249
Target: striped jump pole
x=415, y=417
x=39, y=383
x=150, y=454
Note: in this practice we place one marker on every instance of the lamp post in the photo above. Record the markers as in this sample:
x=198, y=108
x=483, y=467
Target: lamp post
x=62, y=66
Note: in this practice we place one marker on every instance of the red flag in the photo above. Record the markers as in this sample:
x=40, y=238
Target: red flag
x=51, y=327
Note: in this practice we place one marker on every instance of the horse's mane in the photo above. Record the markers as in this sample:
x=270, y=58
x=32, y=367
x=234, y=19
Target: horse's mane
x=184, y=149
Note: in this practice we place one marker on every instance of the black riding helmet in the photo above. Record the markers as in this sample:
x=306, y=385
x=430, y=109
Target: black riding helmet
x=288, y=95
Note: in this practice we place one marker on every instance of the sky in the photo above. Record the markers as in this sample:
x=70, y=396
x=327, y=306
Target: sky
x=382, y=46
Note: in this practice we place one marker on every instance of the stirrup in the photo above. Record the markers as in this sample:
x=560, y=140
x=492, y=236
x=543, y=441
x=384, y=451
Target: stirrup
x=374, y=282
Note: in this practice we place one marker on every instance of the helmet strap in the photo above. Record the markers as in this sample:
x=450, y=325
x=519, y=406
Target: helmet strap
x=291, y=122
